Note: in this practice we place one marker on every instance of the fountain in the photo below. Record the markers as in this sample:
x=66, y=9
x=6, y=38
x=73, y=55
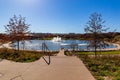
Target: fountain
x=56, y=39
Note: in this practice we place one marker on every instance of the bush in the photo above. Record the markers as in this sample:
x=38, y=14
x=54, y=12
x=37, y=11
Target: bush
x=100, y=78
x=117, y=78
x=69, y=53
x=104, y=73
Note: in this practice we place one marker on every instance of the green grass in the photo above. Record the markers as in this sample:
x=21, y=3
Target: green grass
x=22, y=56
x=71, y=53
x=105, y=65
x=99, y=52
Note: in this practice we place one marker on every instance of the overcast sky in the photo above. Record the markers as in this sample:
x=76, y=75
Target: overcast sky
x=60, y=16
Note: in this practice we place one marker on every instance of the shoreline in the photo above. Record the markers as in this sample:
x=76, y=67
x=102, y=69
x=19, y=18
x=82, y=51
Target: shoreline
x=7, y=45
x=115, y=44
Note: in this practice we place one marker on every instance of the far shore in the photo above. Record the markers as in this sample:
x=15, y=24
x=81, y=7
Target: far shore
x=115, y=44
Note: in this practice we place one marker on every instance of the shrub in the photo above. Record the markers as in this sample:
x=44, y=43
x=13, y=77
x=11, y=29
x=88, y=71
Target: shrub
x=100, y=78
x=117, y=78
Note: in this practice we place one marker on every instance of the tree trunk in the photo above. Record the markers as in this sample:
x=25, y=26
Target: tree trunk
x=95, y=52
x=18, y=45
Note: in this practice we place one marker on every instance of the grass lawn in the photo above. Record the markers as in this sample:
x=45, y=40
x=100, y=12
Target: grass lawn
x=106, y=66
x=99, y=53
x=22, y=56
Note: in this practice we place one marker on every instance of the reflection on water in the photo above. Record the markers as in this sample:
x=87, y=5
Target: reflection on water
x=53, y=46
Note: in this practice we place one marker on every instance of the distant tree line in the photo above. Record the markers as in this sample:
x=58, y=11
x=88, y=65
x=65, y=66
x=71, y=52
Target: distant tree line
x=107, y=36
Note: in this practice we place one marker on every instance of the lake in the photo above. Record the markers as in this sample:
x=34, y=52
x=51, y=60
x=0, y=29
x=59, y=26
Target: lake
x=56, y=46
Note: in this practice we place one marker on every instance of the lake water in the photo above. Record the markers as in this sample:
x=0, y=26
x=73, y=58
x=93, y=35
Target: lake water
x=56, y=46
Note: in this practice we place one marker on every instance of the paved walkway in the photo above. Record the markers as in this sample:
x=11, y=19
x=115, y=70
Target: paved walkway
x=61, y=53
x=61, y=68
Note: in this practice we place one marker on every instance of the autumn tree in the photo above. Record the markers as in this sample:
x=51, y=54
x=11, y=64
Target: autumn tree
x=117, y=39
x=95, y=26
x=17, y=29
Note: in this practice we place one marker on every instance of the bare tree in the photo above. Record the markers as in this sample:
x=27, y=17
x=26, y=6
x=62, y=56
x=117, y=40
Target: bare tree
x=17, y=29
x=95, y=26
x=117, y=39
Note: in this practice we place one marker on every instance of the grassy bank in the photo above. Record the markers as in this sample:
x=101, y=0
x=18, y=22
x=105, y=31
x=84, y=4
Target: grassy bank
x=105, y=66
x=115, y=52
x=22, y=56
